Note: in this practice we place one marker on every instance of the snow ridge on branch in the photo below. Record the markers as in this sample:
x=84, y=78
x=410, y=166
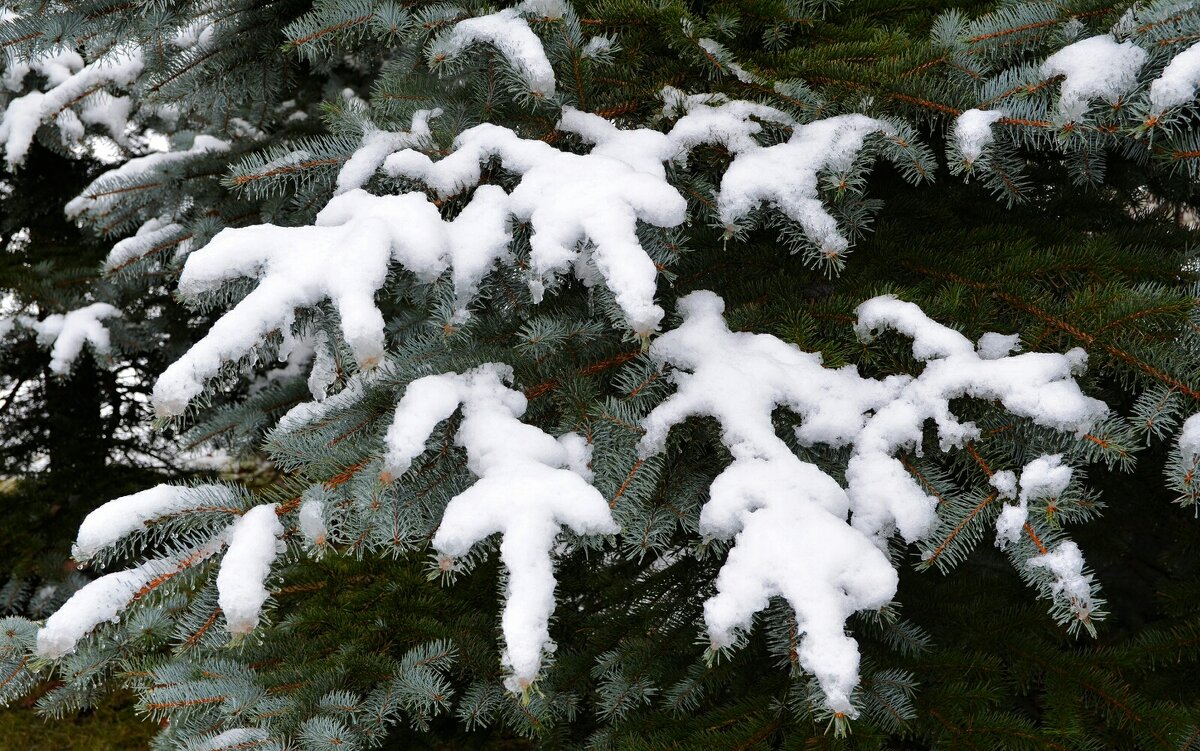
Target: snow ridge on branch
x=252, y=542
x=797, y=533
x=583, y=209
x=530, y=485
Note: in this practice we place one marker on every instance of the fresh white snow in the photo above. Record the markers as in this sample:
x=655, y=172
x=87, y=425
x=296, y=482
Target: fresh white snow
x=510, y=34
x=1189, y=437
x=377, y=145
x=530, y=484
x=343, y=257
x=973, y=132
x=67, y=333
x=127, y=514
x=152, y=235
x=103, y=600
x=1071, y=585
x=254, y=541
x=796, y=532
x=1044, y=477
x=1177, y=83
x=568, y=198
x=26, y=114
x=1098, y=67
x=99, y=196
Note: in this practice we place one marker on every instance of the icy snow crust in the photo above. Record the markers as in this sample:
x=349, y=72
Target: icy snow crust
x=530, y=485
x=797, y=533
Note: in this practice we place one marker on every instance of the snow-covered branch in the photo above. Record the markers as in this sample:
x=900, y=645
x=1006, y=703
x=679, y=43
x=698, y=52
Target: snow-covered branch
x=530, y=485
x=70, y=81
x=67, y=333
x=253, y=539
x=797, y=533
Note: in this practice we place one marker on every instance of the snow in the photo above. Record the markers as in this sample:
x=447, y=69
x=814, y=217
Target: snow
x=56, y=66
x=69, y=332
x=583, y=210
x=568, y=198
x=710, y=118
x=25, y=115
x=1177, y=83
x=1036, y=385
x=789, y=518
x=100, y=601
x=1044, y=477
x=20, y=122
x=312, y=521
x=511, y=36
x=195, y=35
x=103, y=600
x=596, y=46
x=127, y=514
x=98, y=197
x=149, y=236
x=794, y=541
x=343, y=257
x=377, y=145
x=717, y=51
x=529, y=485
x=254, y=542
x=993, y=346
x=1071, y=585
x=1189, y=437
x=1096, y=67
x=307, y=412
x=740, y=378
x=1005, y=483
x=546, y=9
x=973, y=132
x=797, y=532
x=111, y=112
x=237, y=739
x=783, y=175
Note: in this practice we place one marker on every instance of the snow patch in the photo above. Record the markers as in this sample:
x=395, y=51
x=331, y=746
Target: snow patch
x=67, y=333
x=1177, y=83
x=127, y=514
x=529, y=485
x=1096, y=67
x=254, y=541
x=973, y=132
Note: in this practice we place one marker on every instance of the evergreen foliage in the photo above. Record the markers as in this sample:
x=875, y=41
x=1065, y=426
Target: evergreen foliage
x=320, y=219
